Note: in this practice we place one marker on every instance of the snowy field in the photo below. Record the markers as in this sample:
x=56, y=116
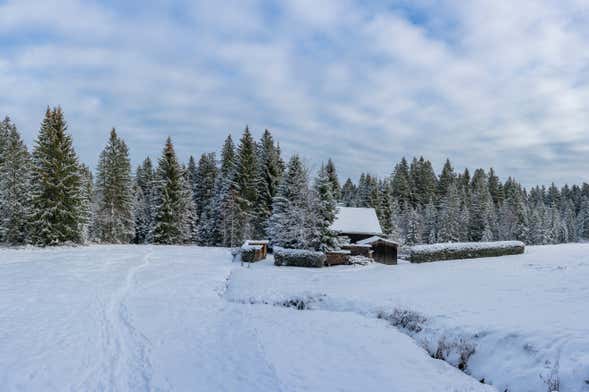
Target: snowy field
x=148, y=318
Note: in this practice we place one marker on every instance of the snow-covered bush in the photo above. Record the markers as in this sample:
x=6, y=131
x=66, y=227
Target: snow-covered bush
x=464, y=250
x=298, y=258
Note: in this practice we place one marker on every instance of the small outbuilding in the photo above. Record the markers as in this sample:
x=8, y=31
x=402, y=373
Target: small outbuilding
x=356, y=223
x=383, y=250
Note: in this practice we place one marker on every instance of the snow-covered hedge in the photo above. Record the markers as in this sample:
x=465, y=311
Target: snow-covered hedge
x=298, y=258
x=464, y=250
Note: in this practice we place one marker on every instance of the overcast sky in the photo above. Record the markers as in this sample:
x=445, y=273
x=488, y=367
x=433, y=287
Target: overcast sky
x=486, y=83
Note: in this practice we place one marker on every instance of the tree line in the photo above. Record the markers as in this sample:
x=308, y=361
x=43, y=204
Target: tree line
x=48, y=197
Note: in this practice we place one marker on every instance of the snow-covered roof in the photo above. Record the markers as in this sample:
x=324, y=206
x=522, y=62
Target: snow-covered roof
x=373, y=239
x=351, y=220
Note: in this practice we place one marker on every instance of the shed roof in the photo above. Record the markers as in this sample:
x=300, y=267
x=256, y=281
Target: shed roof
x=351, y=220
x=374, y=239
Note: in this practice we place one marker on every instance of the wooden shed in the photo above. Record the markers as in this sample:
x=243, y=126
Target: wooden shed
x=383, y=250
x=262, y=243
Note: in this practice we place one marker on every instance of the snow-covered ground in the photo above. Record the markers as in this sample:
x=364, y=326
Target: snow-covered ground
x=146, y=318
x=525, y=316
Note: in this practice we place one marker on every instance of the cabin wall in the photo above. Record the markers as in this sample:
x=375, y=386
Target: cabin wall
x=385, y=254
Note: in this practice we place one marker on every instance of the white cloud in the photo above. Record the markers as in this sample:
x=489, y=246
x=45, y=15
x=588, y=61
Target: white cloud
x=486, y=83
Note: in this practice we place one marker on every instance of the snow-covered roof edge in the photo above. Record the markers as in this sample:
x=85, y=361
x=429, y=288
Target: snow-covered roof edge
x=373, y=239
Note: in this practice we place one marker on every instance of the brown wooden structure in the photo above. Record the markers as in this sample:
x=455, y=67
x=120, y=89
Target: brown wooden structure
x=359, y=250
x=337, y=257
x=262, y=243
x=383, y=250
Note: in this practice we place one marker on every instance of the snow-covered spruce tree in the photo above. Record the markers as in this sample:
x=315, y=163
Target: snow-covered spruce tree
x=423, y=182
x=88, y=225
x=449, y=222
x=114, y=189
x=495, y=188
x=143, y=208
x=333, y=179
x=15, y=185
x=447, y=177
x=220, y=222
x=246, y=180
x=292, y=220
x=583, y=219
x=349, y=193
x=57, y=199
x=414, y=226
x=482, y=214
x=191, y=178
x=430, y=223
x=170, y=207
x=206, y=174
x=400, y=183
x=269, y=173
x=324, y=211
x=190, y=216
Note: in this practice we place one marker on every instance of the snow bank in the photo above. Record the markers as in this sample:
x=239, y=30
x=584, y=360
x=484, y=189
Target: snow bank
x=464, y=250
x=298, y=258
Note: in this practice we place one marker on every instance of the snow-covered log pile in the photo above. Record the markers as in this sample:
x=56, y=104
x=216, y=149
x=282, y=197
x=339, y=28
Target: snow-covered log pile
x=298, y=258
x=464, y=250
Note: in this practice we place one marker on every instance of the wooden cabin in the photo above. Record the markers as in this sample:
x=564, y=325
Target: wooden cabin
x=356, y=223
x=383, y=250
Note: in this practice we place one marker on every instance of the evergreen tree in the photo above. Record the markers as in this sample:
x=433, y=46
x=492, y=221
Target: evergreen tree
x=269, y=174
x=349, y=193
x=430, y=223
x=451, y=217
x=481, y=209
x=447, y=177
x=423, y=182
x=220, y=222
x=206, y=174
x=114, y=189
x=495, y=188
x=57, y=198
x=143, y=208
x=191, y=179
x=324, y=212
x=246, y=181
x=170, y=207
x=291, y=220
x=88, y=227
x=400, y=183
x=15, y=185
x=333, y=179
x=190, y=217
x=583, y=219
x=413, y=235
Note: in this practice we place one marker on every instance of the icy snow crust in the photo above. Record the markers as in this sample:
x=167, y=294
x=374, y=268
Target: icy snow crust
x=147, y=318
